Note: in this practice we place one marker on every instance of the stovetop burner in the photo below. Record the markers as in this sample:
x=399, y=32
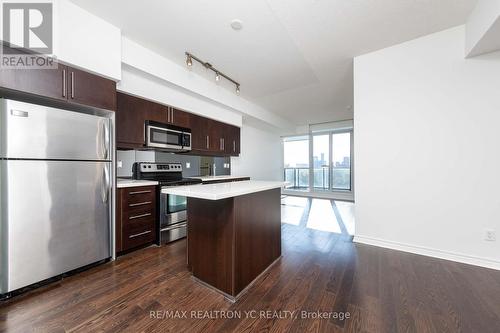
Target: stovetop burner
x=167, y=174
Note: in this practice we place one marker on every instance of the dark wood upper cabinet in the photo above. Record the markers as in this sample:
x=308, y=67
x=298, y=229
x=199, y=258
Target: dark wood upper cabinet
x=200, y=133
x=62, y=83
x=208, y=137
x=179, y=118
x=89, y=89
x=232, y=142
x=43, y=82
x=130, y=116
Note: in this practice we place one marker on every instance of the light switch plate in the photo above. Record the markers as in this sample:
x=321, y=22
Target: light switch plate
x=119, y=164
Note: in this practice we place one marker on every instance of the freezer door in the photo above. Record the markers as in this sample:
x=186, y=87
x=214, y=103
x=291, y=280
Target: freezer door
x=37, y=132
x=55, y=218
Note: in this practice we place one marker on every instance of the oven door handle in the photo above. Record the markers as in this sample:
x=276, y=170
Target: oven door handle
x=175, y=226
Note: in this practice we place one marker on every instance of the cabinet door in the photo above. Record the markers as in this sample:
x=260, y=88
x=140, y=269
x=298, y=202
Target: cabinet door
x=235, y=141
x=130, y=116
x=231, y=142
x=89, y=89
x=200, y=128
x=215, y=136
x=43, y=82
x=179, y=118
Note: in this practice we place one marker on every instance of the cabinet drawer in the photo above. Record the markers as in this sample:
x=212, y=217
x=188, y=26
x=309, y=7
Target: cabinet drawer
x=130, y=218
x=138, y=211
x=137, y=196
x=136, y=238
x=138, y=225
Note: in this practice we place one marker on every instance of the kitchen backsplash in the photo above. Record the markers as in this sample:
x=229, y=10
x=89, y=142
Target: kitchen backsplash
x=192, y=165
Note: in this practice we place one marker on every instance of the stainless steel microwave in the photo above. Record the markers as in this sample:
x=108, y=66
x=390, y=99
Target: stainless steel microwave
x=168, y=137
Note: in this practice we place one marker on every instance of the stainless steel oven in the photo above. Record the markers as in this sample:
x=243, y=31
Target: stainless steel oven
x=169, y=137
x=173, y=219
x=172, y=210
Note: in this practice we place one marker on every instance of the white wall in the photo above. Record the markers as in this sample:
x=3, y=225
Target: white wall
x=483, y=28
x=86, y=41
x=261, y=155
x=427, y=149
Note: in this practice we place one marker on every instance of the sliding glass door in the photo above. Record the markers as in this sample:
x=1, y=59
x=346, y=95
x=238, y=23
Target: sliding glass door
x=341, y=160
x=296, y=159
x=319, y=162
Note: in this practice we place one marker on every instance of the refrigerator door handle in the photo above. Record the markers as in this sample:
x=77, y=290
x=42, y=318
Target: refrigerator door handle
x=105, y=184
x=105, y=141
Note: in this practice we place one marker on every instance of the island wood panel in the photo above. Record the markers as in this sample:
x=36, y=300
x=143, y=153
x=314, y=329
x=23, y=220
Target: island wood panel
x=231, y=241
x=211, y=241
x=257, y=235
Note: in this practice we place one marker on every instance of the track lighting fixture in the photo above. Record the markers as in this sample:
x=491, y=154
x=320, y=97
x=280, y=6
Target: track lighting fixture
x=207, y=65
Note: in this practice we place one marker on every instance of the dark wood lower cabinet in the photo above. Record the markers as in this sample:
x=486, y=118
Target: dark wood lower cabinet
x=135, y=217
x=232, y=241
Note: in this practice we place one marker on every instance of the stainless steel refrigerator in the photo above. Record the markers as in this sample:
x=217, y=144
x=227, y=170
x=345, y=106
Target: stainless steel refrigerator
x=55, y=191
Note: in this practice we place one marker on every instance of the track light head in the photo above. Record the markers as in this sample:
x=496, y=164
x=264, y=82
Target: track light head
x=217, y=76
x=189, y=60
x=238, y=89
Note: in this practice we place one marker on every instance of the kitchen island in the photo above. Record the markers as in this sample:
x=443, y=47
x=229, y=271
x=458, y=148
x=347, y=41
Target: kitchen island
x=234, y=232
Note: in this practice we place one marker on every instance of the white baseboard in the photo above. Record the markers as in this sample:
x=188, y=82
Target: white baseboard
x=429, y=252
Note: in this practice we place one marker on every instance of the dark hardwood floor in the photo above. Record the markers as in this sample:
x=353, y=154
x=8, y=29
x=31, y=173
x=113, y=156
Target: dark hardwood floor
x=382, y=290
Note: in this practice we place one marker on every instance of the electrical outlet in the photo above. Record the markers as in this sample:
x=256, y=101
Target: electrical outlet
x=119, y=164
x=490, y=235
x=188, y=165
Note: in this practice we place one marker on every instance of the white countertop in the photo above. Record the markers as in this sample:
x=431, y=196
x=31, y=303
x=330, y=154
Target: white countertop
x=222, y=190
x=122, y=183
x=216, y=178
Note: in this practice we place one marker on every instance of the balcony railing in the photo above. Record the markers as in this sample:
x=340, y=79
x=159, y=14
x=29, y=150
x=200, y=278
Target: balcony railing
x=298, y=178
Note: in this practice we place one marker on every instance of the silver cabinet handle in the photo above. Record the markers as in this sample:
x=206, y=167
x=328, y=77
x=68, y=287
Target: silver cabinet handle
x=64, y=83
x=223, y=144
x=140, y=204
x=208, y=142
x=139, y=192
x=168, y=114
x=139, y=216
x=234, y=146
x=140, y=234
x=172, y=118
x=72, y=84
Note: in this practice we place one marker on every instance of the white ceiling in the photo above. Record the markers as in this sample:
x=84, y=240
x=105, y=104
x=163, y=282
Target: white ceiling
x=292, y=57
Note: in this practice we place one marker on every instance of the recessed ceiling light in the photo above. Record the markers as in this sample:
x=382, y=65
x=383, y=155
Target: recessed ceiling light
x=236, y=24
